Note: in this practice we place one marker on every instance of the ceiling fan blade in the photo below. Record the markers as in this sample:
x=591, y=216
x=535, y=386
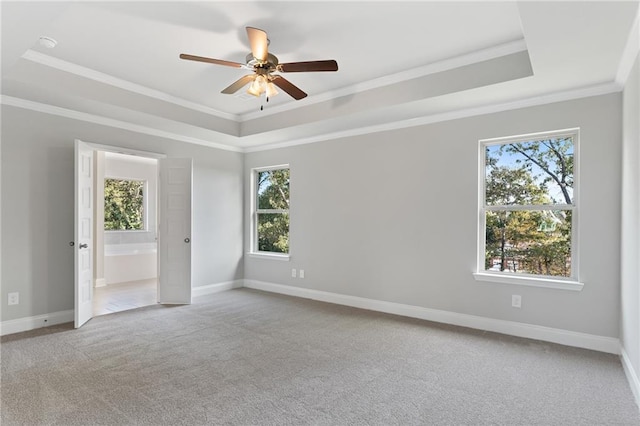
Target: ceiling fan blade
x=309, y=66
x=239, y=84
x=210, y=60
x=289, y=87
x=258, y=42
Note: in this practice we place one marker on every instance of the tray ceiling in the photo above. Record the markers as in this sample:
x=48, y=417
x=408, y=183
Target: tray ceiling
x=398, y=61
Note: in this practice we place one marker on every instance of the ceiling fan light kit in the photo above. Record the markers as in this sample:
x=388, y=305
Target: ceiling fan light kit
x=266, y=69
x=261, y=84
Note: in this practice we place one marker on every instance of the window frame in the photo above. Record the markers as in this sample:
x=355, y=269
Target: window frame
x=481, y=274
x=254, y=251
x=145, y=210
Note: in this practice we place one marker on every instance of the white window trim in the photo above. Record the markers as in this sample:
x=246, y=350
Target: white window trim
x=254, y=252
x=268, y=255
x=561, y=283
x=528, y=280
x=145, y=210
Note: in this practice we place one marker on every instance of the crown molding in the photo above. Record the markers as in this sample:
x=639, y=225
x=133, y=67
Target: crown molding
x=443, y=65
x=435, y=67
x=584, y=92
x=630, y=52
x=100, y=77
x=110, y=122
x=596, y=90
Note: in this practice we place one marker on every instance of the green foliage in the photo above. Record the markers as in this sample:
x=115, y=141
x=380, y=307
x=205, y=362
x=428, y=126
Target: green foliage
x=273, y=232
x=512, y=186
x=554, y=157
x=123, y=205
x=521, y=241
x=529, y=240
x=273, y=200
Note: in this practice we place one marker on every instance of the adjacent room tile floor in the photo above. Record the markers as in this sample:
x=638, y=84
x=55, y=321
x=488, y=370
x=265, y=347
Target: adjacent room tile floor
x=124, y=296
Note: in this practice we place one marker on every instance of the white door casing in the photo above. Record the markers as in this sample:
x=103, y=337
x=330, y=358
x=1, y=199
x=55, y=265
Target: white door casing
x=174, y=236
x=83, y=233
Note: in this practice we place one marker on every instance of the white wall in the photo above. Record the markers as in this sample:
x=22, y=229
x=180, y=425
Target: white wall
x=392, y=216
x=630, y=290
x=37, y=207
x=140, y=264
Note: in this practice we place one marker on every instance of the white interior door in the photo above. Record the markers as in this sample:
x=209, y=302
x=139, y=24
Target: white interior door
x=174, y=236
x=83, y=237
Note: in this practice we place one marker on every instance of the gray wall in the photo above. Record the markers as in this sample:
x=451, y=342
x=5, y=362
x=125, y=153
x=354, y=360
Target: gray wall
x=630, y=292
x=37, y=207
x=392, y=216
x=388, y=216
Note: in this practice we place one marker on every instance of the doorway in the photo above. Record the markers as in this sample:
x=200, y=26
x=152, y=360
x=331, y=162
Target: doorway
x=173, y=253
x=125, y=222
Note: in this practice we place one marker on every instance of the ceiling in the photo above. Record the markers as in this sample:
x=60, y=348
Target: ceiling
x=400, y=64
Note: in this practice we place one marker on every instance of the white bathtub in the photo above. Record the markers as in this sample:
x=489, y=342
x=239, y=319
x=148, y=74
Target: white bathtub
x=130, y=262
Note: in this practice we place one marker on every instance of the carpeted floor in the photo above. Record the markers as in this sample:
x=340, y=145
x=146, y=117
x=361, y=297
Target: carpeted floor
x=250, y=358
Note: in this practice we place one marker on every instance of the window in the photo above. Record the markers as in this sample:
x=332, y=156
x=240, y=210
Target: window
x=124, y=205
x=528, y=207
x=271, y=215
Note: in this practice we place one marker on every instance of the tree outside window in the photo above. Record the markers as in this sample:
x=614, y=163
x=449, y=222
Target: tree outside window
x=528, y=205
x=123, y=205
x=272, y=210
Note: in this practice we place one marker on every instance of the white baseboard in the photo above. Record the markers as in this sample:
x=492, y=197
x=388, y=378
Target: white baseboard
x=101, y=282
x=547, y=334
x=38, y=321
x=630, y=372
x=554, y=335
x=215, y=288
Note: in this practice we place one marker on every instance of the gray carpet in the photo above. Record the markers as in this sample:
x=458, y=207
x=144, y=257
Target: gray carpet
x=245, y=357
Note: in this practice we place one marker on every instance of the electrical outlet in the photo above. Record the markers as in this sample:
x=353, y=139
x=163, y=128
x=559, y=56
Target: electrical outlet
x=14, y=298
x=301, y=273
x=293, y=273
x=516, y=301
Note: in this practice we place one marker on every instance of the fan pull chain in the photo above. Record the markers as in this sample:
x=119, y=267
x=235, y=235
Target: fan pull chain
x=262, y=106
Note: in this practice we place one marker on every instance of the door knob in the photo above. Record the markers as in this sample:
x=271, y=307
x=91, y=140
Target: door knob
x=187, y=240
x=83, y=246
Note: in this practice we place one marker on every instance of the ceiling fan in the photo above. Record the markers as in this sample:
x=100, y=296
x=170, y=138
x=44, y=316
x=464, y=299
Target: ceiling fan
x=265, y=67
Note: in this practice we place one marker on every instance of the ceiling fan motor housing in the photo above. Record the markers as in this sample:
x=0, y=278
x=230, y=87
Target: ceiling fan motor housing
x=271, y=62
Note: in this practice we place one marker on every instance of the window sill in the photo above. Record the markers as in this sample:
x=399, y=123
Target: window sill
x=529, y=281
x=273, y=256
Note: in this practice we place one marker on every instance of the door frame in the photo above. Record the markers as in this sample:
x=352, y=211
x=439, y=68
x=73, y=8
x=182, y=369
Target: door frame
x=118, y=150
